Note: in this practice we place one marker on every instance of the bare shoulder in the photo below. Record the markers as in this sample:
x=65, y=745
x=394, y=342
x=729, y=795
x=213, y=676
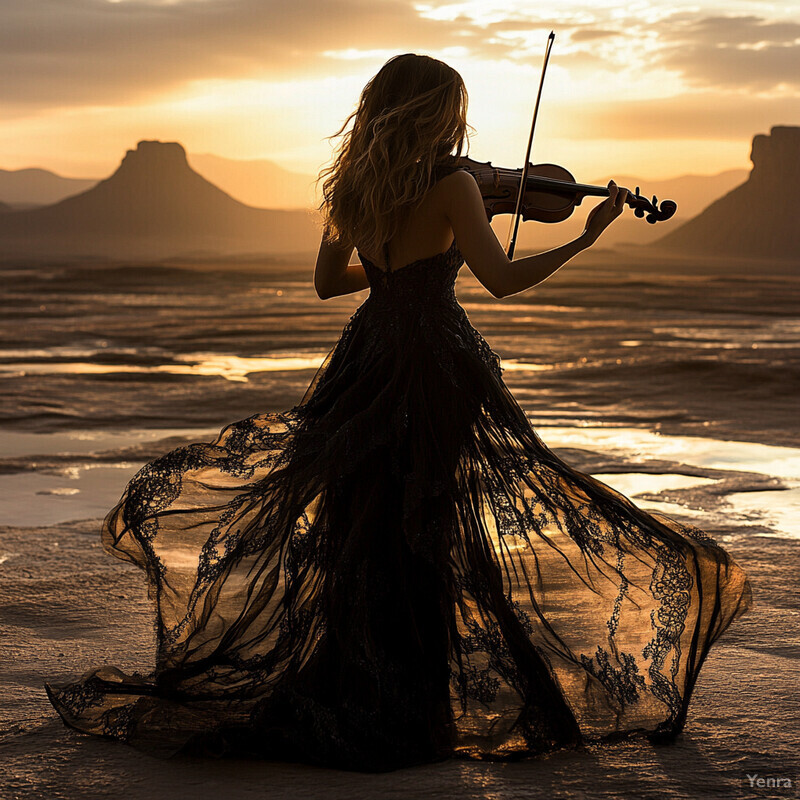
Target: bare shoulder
x=457, y=182
x=458, y=195
x=463, y=207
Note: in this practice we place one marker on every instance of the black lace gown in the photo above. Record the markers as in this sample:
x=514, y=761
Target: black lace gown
x=398, y=570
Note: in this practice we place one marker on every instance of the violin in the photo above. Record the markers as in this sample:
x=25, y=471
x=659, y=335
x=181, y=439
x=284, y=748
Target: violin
x=545, y=192
x=551, y=193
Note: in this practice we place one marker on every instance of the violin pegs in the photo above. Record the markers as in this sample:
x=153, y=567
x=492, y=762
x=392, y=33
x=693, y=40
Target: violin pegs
x=652, y=219
x=655, y=202
x=637, y=191
x=638, y=212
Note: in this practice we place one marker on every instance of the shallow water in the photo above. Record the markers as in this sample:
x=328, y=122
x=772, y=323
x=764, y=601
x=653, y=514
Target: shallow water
x=176, y=352
x=778, y=511
x=81, y=489
x=77, y=492
x=83, y=442
x=123, y=347
x=224, y=365
x=781, y=462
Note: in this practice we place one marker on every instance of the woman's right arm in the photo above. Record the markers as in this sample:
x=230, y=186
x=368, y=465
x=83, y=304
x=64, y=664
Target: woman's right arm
x=334, y=275
x=464, y=209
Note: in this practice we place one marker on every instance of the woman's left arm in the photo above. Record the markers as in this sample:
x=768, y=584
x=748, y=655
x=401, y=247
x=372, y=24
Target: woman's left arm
x=334, y=275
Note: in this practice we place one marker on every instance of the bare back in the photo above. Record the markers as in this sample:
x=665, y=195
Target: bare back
x=452, y=210
x=426, y=232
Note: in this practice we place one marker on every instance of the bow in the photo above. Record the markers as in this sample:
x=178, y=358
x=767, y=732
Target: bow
x=514, y=227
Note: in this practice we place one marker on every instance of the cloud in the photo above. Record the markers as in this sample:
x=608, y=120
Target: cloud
x=732, y=30
x=98, y=52
x=734, y=52
x=767, y=68
x=726, y=52
x=582, y=62
x=592, y=34
x=79, y=52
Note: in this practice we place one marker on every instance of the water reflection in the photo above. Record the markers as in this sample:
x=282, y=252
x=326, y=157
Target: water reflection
x=778, y=511
x=81, y=489
x=230, y=367
x=223, y=365
x=514, y=365
x=78, y=492
x=16, y=444
x=632, y=484
x=780, y=462
x=712, y=345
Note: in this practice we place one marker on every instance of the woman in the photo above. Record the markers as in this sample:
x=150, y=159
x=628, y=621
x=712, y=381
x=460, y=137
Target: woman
x=397, y=570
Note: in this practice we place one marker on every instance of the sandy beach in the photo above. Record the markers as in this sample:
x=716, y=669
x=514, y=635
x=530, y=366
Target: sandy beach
x=674, y=381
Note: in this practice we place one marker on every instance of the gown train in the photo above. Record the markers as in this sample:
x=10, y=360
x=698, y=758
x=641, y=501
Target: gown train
x=398, y=570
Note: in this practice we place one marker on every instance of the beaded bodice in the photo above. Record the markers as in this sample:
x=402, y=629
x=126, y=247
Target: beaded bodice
x=419, y=298
x=425, y=281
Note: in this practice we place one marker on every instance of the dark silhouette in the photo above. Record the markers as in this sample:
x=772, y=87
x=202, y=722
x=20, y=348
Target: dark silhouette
x=397, y=569
x=155, y=205
x=758, y=218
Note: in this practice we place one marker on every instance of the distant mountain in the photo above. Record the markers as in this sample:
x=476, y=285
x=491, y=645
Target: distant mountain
x=5, y=207
x=692, y=193
x=257, y=182
x=184, y=213
x=758, y=218
x=37, y=187
x=154, y=206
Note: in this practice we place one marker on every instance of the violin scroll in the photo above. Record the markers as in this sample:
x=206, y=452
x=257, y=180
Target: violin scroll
x=641, y=206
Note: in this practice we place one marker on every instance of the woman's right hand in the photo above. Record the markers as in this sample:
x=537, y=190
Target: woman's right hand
x=602, y=215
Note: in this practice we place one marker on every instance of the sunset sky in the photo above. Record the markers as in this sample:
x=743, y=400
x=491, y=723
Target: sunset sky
x=644, y=88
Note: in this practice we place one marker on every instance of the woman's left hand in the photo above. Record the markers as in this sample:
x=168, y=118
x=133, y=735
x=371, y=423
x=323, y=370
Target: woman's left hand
x=602, y=215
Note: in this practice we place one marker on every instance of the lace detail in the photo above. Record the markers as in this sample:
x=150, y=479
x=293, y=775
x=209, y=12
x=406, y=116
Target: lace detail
x=398, y=569
x=624, y=683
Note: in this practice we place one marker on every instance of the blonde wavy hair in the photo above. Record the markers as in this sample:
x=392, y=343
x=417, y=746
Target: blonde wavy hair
x=410, y=119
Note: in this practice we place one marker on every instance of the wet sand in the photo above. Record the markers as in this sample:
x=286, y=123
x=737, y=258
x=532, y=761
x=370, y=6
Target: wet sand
x=147, y=358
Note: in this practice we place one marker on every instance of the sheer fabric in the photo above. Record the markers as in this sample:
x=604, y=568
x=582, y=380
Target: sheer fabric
x=398, y=570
